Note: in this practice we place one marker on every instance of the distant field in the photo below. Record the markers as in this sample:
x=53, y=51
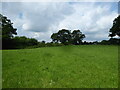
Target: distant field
x=86, y=66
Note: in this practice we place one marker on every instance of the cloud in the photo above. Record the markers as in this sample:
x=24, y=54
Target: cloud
x=60, y=0
x=93, y=19
x=40, y=20
x=44, y=16
x=38, y=17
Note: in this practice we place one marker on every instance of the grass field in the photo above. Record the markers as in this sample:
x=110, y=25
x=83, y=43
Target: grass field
x=86, y=66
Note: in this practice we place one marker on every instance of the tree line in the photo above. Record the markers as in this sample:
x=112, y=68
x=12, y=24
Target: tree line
x=62, y=37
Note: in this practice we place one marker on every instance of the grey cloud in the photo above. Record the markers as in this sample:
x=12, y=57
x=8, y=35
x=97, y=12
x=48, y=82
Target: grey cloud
x=40, y=20
x=38, y=17
x=92, y=19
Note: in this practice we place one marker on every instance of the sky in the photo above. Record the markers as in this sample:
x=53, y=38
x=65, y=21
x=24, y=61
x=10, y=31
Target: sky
x=40, y=19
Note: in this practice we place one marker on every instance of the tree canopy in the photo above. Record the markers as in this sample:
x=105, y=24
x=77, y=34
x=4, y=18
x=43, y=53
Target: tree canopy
x=77, y=37
x=66, y=37
x=7, y=28
x=115, y=30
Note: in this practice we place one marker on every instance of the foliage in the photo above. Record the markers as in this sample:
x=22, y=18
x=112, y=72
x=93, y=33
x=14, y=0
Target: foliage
x=115, y=30
x=7, y=27
x=55, y=37
x=114, y=41
x=10, y=42
x=90, y=43
x=111, y=41
x=7, y=30
x=77, y=37
x=66, y=37
x=22, y=42
x=104, y=42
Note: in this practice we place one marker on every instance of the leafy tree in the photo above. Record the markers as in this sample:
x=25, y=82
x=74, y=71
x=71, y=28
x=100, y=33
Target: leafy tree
x=115, y=30
x=62, y=36
x=77, y=37
x=54, y=37
x=114, y=41
x=22, y=42
x=7, y=27
x=33, y=41
x=104, y=42
x=7, y=30
x=43, y=42
x=66, y=37
x=95, y=42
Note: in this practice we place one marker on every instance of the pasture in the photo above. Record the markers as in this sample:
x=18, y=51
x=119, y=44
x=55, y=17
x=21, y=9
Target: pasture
x=83, y=66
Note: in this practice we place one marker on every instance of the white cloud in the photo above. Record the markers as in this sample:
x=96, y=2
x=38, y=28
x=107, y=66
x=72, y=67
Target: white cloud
x=40, y=20
x=43, y=16
x=93, y=19
x=26, y=26
x=60, y=0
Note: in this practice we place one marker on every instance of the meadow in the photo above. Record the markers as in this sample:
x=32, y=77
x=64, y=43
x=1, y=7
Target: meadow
x=82, y=66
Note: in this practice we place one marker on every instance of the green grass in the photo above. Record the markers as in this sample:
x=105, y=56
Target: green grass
x=86, y=66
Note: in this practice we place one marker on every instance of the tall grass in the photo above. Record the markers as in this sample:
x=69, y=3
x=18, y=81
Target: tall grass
x=86, y=66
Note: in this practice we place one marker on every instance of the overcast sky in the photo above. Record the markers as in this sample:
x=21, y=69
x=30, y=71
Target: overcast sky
x=39, y=20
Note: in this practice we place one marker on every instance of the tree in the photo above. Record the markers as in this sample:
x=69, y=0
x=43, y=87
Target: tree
x=7, y=31
x=7, y=27
x=33, y=41
x=77, y=37
x=115, y=30
x=66, y=37
x=54, y=37
x=114, y=41
x=62, y=36
x=23, y=42
x=105, y=42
